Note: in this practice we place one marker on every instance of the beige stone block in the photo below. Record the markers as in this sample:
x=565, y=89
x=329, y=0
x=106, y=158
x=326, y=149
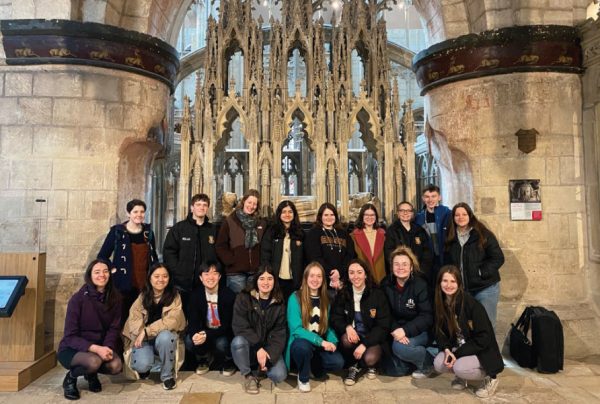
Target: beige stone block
x=57, y=230
x=152, y=91
x=563, y=227
x=132, y=91
x=18, y=84
x=563, y=199
x=456, y=29
x=36, y=111
x=558, y=17
x=9, y=109
x=48, y=9
x=100, y=205
x=76, y=205
x=57, y=204
x=16, y=141
x=31, y=174
x=566, y=261
x=101, y=87
x=76, y=174
x=112, y=15
x=571, y=171
x=92, y=142
x=552, y=172
x=4, y=168
x=55, y=141
x=19, y=234
x=496, y=4
x=114, y=116
x=23, y=9
x=139, y=24
x=57, y=84
x=6, y=12
x=11, y=204
x=94, y=11
x=560, y=5
x=69, y=111
x=111, y=169
x=499, y=171
x=138, y=9
x=135, y=117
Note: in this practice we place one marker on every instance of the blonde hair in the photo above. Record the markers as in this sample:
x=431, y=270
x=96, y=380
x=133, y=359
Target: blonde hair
x=306, y=303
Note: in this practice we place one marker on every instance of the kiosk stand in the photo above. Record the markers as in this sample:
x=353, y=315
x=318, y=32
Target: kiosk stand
x=22, y=356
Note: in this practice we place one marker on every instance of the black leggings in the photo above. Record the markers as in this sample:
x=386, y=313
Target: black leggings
x=369, y=359
x=86, y=363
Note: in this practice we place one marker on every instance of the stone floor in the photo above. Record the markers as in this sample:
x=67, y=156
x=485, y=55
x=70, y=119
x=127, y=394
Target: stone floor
x=578, y=383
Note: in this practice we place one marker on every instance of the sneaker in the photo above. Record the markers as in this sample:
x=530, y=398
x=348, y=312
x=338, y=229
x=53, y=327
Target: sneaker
x=202, y=368
x=94, y=384
x=303, y=387
x=458, y=384
x=169, y=384
x=228, y=370
x=371, y=374
x=488, y=387
x=251, y=384
x=353, y=375
x=144, y=375
x=70, y=387
x=421, y=374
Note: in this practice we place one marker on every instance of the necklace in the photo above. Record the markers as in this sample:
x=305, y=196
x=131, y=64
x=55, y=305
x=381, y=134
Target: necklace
x=334, y=239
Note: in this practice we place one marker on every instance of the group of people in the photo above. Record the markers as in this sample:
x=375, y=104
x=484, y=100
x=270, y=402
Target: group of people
x=417, y=298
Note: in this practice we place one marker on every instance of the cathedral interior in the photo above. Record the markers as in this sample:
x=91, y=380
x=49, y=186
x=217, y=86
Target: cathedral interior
x=345, y=101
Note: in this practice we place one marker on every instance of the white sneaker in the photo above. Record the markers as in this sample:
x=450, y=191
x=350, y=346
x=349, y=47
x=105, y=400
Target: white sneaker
x=371, y=373
x=421, y=374
x=488, y=387
x=458, y=384
x=303, y=387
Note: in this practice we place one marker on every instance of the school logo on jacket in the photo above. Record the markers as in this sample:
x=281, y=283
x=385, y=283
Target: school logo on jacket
x=417, y=240
x=373, y=313
x=298, y=243
x=211, y=240
x=411, y=304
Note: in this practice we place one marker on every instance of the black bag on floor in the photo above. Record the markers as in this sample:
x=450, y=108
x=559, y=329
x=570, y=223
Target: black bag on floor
x=520, y=345
x=545, y=349
x=548, y=340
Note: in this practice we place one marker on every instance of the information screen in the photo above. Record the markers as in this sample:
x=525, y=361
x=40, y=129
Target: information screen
x=11, y=290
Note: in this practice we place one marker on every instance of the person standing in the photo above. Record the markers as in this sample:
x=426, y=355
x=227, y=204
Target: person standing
x=404, y=232
x=188, y=244
x=133, y=250
x=435, y=219
x=238, y=242
x=282, y=248
x=369, y=240
x=474, y=249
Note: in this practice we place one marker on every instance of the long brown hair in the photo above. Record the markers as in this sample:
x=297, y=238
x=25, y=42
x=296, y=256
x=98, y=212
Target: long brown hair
x=445, y=309
x=306, y=303
x=477, y=226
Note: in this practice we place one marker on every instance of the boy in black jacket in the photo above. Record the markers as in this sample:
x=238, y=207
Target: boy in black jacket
x=210, y=311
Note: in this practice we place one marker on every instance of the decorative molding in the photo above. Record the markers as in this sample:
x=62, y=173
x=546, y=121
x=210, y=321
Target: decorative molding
x=535, y=48
x=29, y=41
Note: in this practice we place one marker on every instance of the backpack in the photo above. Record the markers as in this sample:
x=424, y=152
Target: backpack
x=545, y=350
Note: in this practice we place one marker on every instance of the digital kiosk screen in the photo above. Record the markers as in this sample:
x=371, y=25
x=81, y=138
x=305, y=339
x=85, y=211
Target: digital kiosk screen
x=11, y=290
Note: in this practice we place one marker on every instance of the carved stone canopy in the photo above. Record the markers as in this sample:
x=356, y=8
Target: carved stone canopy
x=527, y=139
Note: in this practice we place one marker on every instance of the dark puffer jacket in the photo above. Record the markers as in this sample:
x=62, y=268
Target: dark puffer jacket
x=187, y=246
x=480, y=267
x=271, y=251
x=411, y=309
x=262, y=328
x=478, y=332
x=417, y=240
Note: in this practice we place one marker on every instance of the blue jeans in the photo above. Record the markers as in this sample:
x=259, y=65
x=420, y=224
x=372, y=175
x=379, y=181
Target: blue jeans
x=309, y=357
x=219, y=348
x=489, y=297
x=238, y=282
x=415, y=353
x=244, y=357
x=165, y=345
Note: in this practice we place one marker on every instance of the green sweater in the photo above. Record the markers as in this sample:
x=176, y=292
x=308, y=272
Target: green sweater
x=294, y=317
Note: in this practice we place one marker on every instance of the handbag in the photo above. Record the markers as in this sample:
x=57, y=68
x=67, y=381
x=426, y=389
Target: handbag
x=521, y=348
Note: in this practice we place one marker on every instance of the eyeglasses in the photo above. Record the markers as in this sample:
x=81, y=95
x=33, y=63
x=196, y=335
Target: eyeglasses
x=405, y=210
x=369, y=215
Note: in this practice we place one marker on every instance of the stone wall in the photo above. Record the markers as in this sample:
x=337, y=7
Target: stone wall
x=546, y=261
x=64, y=132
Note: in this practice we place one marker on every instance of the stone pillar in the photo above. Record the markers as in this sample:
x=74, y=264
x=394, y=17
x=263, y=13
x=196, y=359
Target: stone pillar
x=81, y=135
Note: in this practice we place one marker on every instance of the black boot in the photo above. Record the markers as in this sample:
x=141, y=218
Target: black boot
x=70, y=387
x=94, y=384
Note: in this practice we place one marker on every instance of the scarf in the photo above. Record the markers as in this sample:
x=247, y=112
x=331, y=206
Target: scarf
x=249, y=224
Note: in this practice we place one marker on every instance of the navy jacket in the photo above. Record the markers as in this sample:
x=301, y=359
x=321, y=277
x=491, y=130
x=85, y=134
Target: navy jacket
x=417, y=240
x=118, y=244
x=88, y=321
x=443, y=215
x=411, y=309
x=198, y=308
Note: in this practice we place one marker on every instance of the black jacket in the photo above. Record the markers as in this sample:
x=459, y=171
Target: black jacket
x=375, y=314
x=411, y=310
x=417, y=240
x=198, y=308
x=271, y=251
x=188, y=245
x=480, y=267
x=262, y=328
x=318, y=246
x=478, y=332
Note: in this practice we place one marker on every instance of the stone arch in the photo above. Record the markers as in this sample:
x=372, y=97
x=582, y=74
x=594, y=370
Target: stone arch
x=289, y=118
x=226, y=117
x=135, y=162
